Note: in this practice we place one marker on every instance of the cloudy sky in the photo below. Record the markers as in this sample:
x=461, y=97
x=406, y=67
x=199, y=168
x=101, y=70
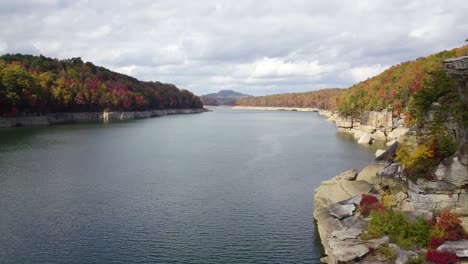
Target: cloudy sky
x=256, y=47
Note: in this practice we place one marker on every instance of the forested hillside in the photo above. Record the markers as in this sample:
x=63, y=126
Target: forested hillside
x=37, y=84
x=325, y=99
x=410, y=88
x=397, y=87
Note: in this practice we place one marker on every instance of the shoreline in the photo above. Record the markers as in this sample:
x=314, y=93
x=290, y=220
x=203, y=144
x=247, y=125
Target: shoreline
x=273, y=108
x=76, y=117
x=337, y=199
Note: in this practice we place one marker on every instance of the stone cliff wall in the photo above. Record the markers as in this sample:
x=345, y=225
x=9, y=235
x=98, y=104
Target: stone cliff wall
x=336, y=199
x=372, y=126
x=59, y=118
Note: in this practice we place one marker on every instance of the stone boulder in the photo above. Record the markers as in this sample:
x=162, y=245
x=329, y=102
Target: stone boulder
x=341, y=210
x=390, y=143
x=365, y=139
x=453, y=171
x=379, y=135
x=397, y=133
x=459, y=247
x=389, y=154
x=379, y=152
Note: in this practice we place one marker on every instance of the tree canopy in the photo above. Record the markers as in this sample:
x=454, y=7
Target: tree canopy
x=37, y=84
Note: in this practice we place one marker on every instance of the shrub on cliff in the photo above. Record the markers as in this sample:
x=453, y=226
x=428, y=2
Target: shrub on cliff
x=368, y=204
x=450, y=223
x=422, y=158
x=406, y=234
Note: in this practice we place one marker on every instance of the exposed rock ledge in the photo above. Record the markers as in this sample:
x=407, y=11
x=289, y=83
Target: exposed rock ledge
x=336, y=202
x=372, y=126
x=60, y=118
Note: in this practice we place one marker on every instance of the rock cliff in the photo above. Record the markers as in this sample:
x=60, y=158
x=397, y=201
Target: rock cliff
x=59, y=118
x=336, y=200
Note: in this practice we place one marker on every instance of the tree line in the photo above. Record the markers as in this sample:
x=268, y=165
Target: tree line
x=37, y=85
x=324, y=99
x=409, y=87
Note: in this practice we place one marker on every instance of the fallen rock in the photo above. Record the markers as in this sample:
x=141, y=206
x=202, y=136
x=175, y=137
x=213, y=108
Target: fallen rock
x=341, y=210
x=397, y=133
x=390, y=153
x=459, y=247
x=379, y=152
x=391, y=142
x=379, y=135
x=365, y=139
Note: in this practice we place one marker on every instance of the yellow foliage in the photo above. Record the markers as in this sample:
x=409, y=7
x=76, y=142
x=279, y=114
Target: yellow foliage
x=388, y=200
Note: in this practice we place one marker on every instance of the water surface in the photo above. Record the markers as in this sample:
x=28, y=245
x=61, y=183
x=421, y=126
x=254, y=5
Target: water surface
x=229, y=186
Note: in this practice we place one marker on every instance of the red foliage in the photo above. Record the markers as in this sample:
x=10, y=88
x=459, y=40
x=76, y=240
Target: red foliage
x=446, y=219
x=455, y=233
x=369, y=203
x=441, y=257
x=371, y=250
x=368, y=199
x=436, y=242
x=451, y=223
x=416, y=85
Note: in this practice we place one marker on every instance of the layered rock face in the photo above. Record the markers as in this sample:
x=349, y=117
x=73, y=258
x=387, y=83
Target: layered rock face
x=457, y=68
x=336, y=199
x=372, y=126
x=59, y=118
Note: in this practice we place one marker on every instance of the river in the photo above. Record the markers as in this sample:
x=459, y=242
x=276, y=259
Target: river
x=228, y=186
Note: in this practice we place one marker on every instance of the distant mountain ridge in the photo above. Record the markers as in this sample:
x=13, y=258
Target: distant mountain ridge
x=223, y=97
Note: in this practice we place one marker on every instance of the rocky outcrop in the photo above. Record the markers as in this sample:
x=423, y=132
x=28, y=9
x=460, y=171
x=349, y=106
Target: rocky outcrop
x=336, y=201
x=378, y=119
x=372, y=126
x=60, y=118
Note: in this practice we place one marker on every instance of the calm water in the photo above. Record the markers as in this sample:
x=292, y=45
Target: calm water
x=229, y=186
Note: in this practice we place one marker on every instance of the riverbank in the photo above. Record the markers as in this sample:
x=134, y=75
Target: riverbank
x=298, y=109
x=62, y=118
x=337, y=201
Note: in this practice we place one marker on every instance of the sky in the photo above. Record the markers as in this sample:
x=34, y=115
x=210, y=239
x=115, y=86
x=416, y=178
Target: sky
x=255, y=47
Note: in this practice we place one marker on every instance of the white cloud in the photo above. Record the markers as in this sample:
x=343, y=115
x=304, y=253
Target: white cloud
x=272, y=46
